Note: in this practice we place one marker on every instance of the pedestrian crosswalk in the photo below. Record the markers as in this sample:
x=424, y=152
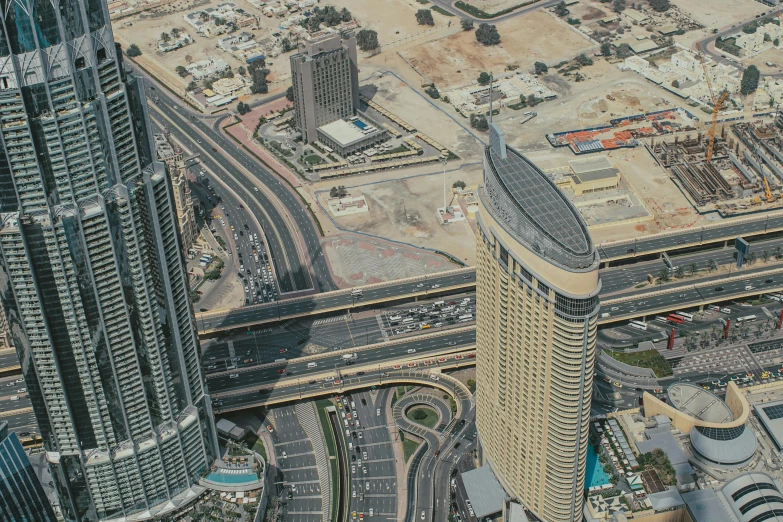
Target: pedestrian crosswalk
x=328, y=320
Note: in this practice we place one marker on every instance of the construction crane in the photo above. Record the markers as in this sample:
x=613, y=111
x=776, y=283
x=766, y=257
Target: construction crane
x=717, y=105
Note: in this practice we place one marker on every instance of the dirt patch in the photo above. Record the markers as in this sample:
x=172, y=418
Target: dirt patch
x=458, y=59
x=720, y=13
x=593, y=14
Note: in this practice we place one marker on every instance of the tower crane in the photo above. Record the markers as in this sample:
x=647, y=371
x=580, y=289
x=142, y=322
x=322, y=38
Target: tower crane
x=717, y=105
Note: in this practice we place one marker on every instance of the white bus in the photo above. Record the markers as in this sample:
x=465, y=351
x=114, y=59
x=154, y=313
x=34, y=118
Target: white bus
x=661, y=319
x=395, y=318
x=357, y=291
x=438, y=304
x=465, y=318
x=746, y=319
x=688, y=317
x=640, y=325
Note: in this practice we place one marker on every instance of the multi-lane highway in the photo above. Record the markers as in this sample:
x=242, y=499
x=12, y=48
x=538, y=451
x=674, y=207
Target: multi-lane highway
x=15, y=406
x=291, y=233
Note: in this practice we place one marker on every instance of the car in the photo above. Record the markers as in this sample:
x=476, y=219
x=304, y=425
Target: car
x=281, y=370
x=360, y=373
x=247, y=361
x=364, y=470
x=719, y=289
x=24, y=434
x=364, y=456
x=19, y=380
x=367, y=486
x=397, y=366
x=682, y=296
x=411, y=365
x=364, y=402
x=269, y=428
x=768, y=281
x=285, y=455
x=607, y=379
x=353, y=493
x=21, y=390
x=618, y=384
x=471, y=356
x=353, y=458
x=10, y=384
x=361, y=516
x=353, y=470
x=234, y=376
x=360, y=435
x=284, y=350
x=214, y=149
x=378, y=412
x=328, y=379
x=441, y=359
x=458, y=356
x=437, y=453
x=422, y=515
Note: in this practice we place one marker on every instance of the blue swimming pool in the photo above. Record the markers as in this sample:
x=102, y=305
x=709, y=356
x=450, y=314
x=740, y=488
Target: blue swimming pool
x=360, y=124
x=228, y=478
x=595, y=472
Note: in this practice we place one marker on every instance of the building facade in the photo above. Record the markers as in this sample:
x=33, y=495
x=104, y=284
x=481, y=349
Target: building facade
x=183, y=201
x=325, y=78
x=92, y=275
x=22, y=498
x=537, y=308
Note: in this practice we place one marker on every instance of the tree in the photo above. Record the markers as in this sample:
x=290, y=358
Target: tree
x=192, y=86
x=533, y=100
x=561, y=10
x=777, y=252
x=289, y=94
x=660, y=5
x=432, y=91
x=241, y=70
x=133, y=51
x=584, y=60
x=487, y=34
x=332, y=17
x=752, y=258
x=483, y=78
x=479, y=122
x=776, y=42
x=712, y=265
x=606, y=49
x=623, y=51
x=367, y=40
x=750, y=80
x=285, y=43
x=765, y=256
x=181, y=71
x=466, y=24
x=472, y=385
x=258, y=75
x=618, y=6
x=458, y=184
x=676, y=84
x=424, y=17
x=243, y=108
x=541, y=68
x=663, y=276
x=679, y=272
x=345, y=15
x=693, y=268
x=165, y=36
x=313, y=24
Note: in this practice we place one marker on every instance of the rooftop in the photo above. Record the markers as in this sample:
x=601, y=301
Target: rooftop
x=345, y=132
x=533, y=208
x=581, y=166
x=771, y=416
x=485, y=493
x=699, y=403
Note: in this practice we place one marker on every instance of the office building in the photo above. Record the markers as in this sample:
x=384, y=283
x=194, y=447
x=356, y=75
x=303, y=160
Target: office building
x=92, y=275
x=22, y=498
x=325, y=78
x=183, y=201
x=537, y=308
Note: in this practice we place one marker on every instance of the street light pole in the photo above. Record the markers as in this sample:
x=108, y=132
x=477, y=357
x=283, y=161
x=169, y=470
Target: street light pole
x=443, y=162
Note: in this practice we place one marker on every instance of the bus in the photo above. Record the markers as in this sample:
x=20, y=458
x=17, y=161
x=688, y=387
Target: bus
x=438, y=304
x=746, y=319
x=395, y=318
x=674, y=318
x=465, y=318
x=639, y=325
x=688, y=317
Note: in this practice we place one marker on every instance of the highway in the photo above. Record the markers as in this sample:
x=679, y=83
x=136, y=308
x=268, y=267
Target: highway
x=282, y=225
x=18, y=412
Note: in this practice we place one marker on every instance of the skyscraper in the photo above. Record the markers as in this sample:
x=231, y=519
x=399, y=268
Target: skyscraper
x=92, y=273
x=537, y=303
x=325, y=78
x=22, y=498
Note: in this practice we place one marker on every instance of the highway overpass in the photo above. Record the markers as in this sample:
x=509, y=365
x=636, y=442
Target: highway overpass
x=298, y=390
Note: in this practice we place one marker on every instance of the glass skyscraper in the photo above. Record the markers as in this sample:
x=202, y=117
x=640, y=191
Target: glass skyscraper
x=22, y=499
x=92, y=275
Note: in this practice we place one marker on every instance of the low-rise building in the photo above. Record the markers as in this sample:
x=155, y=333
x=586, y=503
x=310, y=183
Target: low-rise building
x=351, y=135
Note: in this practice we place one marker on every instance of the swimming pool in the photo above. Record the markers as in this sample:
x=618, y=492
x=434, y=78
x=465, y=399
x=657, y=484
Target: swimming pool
x=595, y=471
x=228, y=478
x=360, y=124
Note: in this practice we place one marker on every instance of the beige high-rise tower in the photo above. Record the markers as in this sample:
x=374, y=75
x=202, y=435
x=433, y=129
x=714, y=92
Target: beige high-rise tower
x=537, y=304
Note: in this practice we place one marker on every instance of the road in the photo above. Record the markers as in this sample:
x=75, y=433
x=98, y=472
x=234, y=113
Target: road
x=708, y=47
x=13, y=397
x=283, y=230
x=448, y=5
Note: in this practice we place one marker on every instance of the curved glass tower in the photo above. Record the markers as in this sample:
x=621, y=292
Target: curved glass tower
x=92, y=275
x=537, y=303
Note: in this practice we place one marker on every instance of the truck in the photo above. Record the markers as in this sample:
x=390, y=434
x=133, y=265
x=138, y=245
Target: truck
x=350, y=356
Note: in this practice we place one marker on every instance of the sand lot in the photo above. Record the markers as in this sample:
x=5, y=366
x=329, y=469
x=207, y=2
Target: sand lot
x=774, y=56
x=404, y=210
x=397, y=97
x=391, y=19
x=720, y=13
x=493, y=6
x=458, y=59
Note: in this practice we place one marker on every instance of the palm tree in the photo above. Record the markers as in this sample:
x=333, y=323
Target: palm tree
x=679, y=272
x=778, y=253
x=712, y=265
x=663, y=276
x=765, y=256
x=693, y=268
x=751, y=258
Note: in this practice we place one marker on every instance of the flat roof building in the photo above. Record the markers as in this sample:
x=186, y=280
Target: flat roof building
x=537, y=290
x=325, y=78
x=351, y=135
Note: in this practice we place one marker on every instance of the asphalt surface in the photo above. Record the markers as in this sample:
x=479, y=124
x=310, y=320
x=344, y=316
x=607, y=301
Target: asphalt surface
x=18, y=422
x=9, y=359
x=281, y=309
x=370, y=460
x=448, y=6
x=282, y=229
